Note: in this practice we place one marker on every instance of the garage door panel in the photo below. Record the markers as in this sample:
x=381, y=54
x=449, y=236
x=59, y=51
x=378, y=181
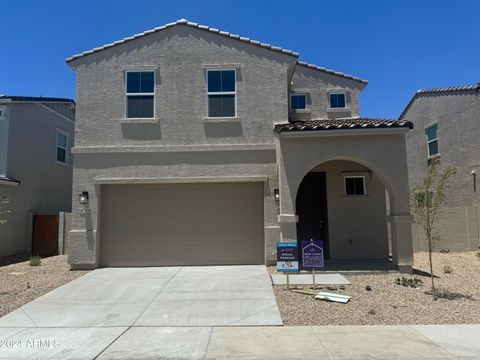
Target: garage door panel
x=182, y=224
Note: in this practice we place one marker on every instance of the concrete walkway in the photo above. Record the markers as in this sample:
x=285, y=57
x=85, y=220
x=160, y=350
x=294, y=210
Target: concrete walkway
x=276, y=342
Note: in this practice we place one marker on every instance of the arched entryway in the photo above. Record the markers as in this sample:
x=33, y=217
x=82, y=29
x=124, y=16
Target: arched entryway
x=343, y=203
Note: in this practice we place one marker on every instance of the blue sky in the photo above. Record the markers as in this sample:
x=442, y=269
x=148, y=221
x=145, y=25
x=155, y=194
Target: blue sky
x=399, y=46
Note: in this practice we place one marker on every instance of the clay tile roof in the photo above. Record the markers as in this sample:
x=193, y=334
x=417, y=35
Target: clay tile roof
x=333, y=72
x=342, y=124
x=440, y=91
x=190, y=24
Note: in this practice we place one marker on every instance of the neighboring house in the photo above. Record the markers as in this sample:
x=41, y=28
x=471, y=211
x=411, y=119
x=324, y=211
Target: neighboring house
x=185, y=155
x=36, y=134
x=447, y=127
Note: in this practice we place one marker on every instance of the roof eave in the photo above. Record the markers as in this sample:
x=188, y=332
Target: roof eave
x=333, y=72
x=341, y=132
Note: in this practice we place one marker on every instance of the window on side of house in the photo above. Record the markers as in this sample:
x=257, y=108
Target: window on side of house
x=62, y=145
x=298, y=102
x=338, y=101
x=421, y=198
x=355, y=185
x=432, y=140
x=222, y=93
x=140, y=94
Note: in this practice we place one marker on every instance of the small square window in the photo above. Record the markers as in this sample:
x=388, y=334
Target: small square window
x=337, y=101
x=221, y=93
x=432, y=140
x=61, y=148
x=355, y=185
x=140, y=94
x=298, y=102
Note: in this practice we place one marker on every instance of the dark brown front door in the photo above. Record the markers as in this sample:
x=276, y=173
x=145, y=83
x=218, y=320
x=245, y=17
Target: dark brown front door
x=45, y=235
x=311, y=207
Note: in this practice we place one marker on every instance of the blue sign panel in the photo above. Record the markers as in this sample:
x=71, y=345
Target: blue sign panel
x=312, y=254
x=287, y=257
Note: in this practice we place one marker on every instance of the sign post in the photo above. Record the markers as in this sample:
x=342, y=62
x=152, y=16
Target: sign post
x=287, y=259
x=312, y=256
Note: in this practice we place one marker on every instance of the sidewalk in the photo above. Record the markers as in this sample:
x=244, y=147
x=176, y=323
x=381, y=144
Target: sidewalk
x=282, y=342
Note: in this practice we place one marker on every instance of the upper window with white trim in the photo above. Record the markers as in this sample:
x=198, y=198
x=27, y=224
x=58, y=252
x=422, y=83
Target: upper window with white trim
x=222, y=93
x=298, y=102
x=140, y=94
x=3, y=114
x=338, y=100
x=62, y=145
x=355, y=185
x=432, y=140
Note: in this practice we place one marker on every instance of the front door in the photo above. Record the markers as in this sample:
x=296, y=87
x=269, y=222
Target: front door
x=311, y=208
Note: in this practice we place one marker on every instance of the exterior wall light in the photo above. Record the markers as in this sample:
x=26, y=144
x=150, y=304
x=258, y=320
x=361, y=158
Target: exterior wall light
x=83, y=198
x=276, y=194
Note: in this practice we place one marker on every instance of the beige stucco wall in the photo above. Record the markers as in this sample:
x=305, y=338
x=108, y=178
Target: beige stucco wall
x=456, y=115
x=384, y=154
x=182, y=145
x=317, y=85
x=357, y=225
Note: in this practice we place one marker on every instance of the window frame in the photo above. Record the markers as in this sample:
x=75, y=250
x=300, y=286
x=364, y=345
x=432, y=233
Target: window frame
x=127, y=94
x=67, y=142
x=234, y=93
x=345, y=177
x=431, y=141
x=298, y=94
x=344, y=93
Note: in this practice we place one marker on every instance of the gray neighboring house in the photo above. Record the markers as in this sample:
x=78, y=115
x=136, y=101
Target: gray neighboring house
x=196, y=146
x=36, y=134
x=447, y=127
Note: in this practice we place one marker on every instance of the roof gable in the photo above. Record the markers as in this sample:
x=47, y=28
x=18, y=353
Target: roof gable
x=441, y=91
x=189, y=24
x=332, y=72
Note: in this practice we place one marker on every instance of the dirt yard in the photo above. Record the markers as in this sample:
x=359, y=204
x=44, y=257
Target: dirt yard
x=21, y=283
x=388, y=303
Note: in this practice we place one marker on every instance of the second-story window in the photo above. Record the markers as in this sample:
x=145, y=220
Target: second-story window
x=140, y=94
x=222, y=92
x=298, y=102
x=432, y=140
x=337, y=101
x=62, y=142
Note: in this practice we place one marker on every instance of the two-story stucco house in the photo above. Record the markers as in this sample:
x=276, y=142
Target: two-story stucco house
x=447, y=127
x=197, y=146
x=36, y=166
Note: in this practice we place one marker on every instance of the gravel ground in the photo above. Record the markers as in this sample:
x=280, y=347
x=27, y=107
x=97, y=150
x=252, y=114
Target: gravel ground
x=389, y=303
x=21, y=283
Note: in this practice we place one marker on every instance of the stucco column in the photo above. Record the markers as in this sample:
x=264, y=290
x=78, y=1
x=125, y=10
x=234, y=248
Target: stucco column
x=401, y=228
x=288, y=227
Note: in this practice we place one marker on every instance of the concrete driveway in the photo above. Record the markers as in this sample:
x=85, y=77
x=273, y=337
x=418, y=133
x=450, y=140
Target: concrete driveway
x=169, y=296
x=201, y=313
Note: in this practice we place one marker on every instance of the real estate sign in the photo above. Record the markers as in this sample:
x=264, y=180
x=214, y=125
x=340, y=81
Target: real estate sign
x=287, y=257
x=312, y=254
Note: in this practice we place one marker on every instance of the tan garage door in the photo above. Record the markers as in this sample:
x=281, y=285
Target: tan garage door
x=182, y=224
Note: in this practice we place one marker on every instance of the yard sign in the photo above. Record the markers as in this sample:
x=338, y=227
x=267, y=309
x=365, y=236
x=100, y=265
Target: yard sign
x=312, y=254
x=287, y=257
